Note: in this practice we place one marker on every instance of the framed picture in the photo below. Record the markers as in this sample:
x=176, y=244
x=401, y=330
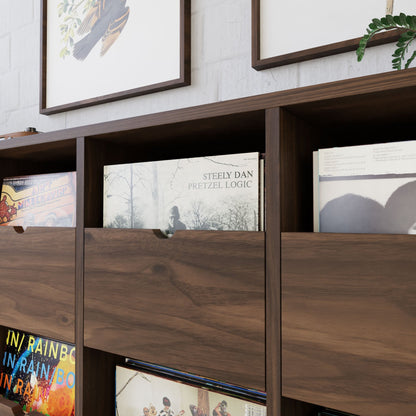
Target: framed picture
x=97, y=51
x=285, y=32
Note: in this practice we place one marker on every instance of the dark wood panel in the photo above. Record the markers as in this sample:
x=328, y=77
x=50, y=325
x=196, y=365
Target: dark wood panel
x=349, y=321
x=292, y=407
x=97, y=155
x=356, y=96
x=10, y=167
x=234, y=133
x=37, y=278
x=99, y=383
x=193, y=302
x=272, y=196
x=79, y=284
x=297, y=141
x=34, y=149
x=10, y=408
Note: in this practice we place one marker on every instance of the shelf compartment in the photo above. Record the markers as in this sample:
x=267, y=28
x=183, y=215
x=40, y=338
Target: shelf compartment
x=194, y=302
x=30, y=155
x=37, y=281
x=348, y=321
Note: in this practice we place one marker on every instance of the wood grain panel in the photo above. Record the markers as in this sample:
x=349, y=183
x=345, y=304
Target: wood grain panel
x=297, y=408
x=349, y=321
x=33, y=152
x=273, y=309
x=37, y=278
x=10, y=408
x=80, y=399
x=99, y=383
x=395, y=89
x=297, y=142
x=193, y=302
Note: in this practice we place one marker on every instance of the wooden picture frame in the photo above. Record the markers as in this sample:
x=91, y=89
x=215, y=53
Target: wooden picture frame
x=91, y=55
x=265, y=53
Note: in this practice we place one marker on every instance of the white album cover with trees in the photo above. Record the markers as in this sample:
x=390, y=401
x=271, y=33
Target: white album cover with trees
x=202, y=193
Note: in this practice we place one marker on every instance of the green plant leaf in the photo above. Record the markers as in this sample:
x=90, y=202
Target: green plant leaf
x=407, y=36
x=398, y=52
x=402, y=18
x=388, y=22
x=384, y=21
x=410, y=60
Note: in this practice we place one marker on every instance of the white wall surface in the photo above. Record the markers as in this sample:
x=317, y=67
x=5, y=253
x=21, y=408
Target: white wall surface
x=221, y=68
x=321, y=22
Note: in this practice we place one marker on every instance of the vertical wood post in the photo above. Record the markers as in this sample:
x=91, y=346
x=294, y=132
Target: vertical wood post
x=273, y=304
x=79, y=278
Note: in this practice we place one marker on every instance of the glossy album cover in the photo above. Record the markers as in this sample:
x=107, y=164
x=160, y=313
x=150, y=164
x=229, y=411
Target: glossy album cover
x=366, y=189
x=47, y=200
x=202, y=193
x=140, y=393
x=38, y=373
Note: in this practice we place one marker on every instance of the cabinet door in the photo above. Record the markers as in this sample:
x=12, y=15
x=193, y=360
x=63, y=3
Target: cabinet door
x=37, y=281
x=193, y=302
x=349, y=321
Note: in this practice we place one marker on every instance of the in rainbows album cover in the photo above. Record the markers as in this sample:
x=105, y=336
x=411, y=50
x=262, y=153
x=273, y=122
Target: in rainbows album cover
x=38, y=373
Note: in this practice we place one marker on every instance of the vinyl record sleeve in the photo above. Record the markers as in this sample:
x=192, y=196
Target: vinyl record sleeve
x=197, y=380
x=38, y=373
x=202, y=193
x=145, y=394
x=47, y=200
x=366, y=189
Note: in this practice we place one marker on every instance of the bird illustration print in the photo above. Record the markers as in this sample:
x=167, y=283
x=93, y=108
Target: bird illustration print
x=104, y=21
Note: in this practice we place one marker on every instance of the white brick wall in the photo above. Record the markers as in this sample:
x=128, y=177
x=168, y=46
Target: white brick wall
x=4, y=54
x=221, y=67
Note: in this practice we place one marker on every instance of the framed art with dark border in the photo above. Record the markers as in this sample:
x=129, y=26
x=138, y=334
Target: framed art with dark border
x=289, y=31
x=97, y=51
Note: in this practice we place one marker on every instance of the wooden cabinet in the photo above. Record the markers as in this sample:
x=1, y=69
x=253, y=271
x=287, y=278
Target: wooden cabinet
x=194, y=301
x=38, y=281
x=348, y=321
x=315, y=319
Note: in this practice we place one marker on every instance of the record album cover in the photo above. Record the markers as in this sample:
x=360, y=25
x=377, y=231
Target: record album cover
x=140, y=393
x=39, y=200
x=38, y=373
x=203, y=193
x=366, y=189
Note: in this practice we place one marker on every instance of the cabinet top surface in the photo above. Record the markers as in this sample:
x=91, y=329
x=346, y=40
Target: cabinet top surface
x=370, y=97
